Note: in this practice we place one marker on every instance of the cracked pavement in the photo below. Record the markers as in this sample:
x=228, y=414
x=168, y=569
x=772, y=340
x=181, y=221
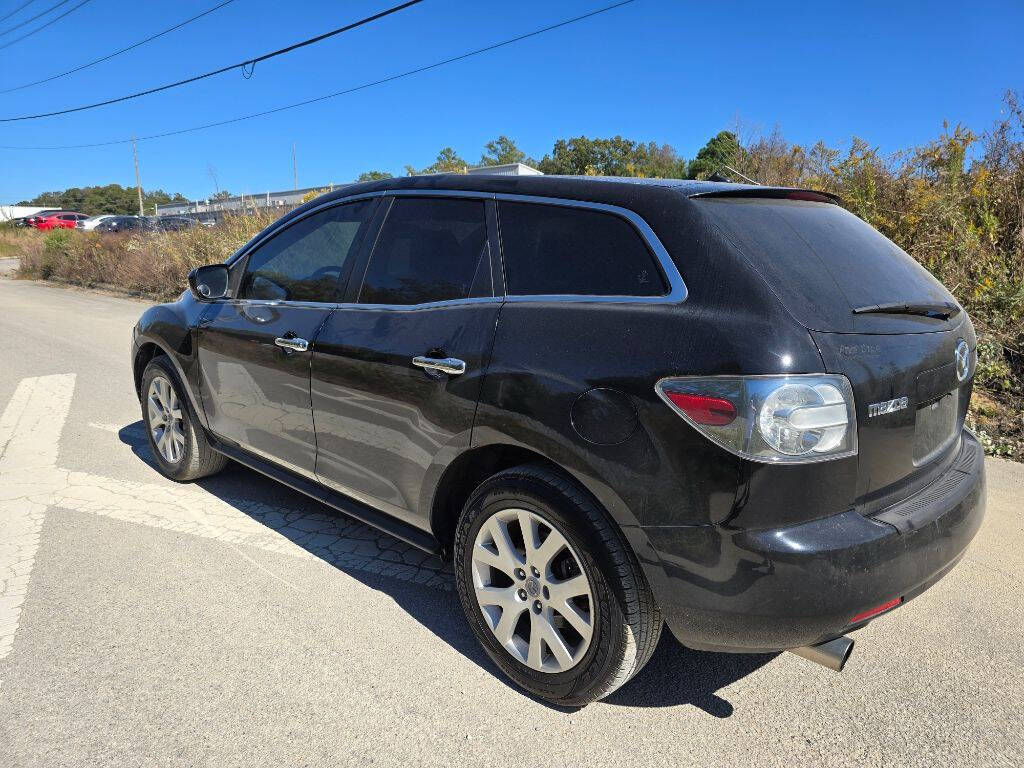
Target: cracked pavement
x=235, y=622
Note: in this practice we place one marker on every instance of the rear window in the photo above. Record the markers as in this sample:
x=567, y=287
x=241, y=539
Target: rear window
x=823, y=261
x=553, y=249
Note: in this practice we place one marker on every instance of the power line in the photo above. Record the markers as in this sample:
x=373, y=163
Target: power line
x=242, y=64
x=118, y=53
x=44, y=25
x=37, y=16
x=325, y=97
x=23, y=5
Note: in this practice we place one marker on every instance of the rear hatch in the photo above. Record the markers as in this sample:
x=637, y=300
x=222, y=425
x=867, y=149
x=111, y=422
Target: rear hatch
x=877, y=316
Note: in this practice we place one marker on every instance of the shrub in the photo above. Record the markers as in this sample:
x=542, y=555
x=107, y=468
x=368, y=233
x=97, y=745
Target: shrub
x=55, y=251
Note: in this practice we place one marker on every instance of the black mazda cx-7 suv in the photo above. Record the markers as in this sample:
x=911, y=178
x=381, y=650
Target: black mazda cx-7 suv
x=614, y=404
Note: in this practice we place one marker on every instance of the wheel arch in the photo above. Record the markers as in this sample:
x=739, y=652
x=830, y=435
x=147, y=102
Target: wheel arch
x=149, y=347
x=474, y=465
x=462, y=475
x=147, y=351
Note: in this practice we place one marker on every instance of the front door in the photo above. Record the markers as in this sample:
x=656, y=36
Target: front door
x=255, y=350
x=397, y=372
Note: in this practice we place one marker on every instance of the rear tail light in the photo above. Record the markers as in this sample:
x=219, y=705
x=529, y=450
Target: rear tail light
x=701, y=409
x=778, y=419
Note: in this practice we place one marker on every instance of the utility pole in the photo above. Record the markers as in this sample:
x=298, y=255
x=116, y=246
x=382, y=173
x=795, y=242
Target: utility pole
x=295, y=168
x=138, y=184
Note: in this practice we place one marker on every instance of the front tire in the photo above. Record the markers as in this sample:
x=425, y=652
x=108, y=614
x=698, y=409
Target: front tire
x=551, y=589
x=176, y=439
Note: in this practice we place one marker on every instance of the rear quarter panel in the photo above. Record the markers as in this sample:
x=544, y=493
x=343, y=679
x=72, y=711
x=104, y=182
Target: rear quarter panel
x=549, y=355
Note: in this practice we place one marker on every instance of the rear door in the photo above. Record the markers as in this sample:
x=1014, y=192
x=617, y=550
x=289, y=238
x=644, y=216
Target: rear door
x=255, y=349
x=397, y=370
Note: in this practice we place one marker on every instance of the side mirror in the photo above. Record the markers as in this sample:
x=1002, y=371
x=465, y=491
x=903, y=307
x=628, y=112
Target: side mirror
x=209, y=283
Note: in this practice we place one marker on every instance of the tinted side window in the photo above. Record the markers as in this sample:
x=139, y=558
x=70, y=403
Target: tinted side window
x=429, y=249
x=553, y=249
x=304, y=261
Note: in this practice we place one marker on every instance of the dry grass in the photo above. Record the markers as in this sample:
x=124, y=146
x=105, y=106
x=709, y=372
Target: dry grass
x=155, y=263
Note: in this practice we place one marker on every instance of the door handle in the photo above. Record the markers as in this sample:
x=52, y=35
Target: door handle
x=292, y=344
x=449, y=365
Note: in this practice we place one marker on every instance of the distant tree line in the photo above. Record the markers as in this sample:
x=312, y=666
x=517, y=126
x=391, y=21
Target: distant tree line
x=112, y=198
x=581, y=155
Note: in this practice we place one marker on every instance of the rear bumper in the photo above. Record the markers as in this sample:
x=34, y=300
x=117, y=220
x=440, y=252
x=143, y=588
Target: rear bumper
x=770, y=590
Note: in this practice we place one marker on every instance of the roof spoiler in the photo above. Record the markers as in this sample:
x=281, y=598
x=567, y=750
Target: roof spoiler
x=777, y=193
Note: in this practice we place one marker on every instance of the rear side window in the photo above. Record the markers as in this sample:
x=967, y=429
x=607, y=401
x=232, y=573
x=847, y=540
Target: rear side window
x=429, y=249
x=304, y=261
x=553, y=249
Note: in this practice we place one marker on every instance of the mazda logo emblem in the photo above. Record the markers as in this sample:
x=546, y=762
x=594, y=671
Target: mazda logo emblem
x=962, y=357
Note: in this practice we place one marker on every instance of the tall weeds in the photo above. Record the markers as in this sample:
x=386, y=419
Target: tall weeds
x=154, y=263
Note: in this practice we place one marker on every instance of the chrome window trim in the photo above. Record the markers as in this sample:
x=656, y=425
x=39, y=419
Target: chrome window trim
x=440, y=193
x=276, y=303
x=426, y=304
x=352, y=305
x=677, y=287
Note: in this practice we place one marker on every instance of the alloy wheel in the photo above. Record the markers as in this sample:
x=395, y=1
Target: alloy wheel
x=532, y=590
x=165, y=419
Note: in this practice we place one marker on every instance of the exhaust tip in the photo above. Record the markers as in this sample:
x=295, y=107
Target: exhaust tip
x=832, y=653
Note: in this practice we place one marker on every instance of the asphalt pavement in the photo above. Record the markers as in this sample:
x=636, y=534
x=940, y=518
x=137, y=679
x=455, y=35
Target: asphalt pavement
x=234, y=622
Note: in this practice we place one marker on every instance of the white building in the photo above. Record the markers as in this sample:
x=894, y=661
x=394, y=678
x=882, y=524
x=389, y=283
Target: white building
x=9, y=212
x=288, y=198
x=510, y=169
x=292, y=197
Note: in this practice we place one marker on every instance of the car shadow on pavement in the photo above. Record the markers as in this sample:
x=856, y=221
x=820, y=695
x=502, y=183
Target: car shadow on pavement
x=422, y=586
x=678, y=675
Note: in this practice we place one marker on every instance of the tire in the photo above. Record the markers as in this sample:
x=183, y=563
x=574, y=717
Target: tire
x=186, y=454
x=619, y=611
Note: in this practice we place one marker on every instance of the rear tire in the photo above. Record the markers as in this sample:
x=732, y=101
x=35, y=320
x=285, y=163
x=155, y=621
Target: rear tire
x=617, y=623
x=176, y=438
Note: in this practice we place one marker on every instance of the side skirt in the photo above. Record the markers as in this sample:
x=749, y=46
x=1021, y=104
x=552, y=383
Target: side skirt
x=361, y=512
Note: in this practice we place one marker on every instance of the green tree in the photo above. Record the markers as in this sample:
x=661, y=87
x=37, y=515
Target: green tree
x=111, y=198
x=582, y=156
x=374, y=175
x=661, y=162
x=448, y=161
x=721, y=150
x=502, y=151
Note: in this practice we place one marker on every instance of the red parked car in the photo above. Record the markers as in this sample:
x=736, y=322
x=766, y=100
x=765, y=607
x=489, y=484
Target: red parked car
x=61, y=220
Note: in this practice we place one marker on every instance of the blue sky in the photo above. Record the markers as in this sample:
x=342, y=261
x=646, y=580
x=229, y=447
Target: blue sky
x=663, y=70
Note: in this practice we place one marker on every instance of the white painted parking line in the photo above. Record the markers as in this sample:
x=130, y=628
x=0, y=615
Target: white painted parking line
x=30, y=482
x=32, y=422
x=30, y=431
